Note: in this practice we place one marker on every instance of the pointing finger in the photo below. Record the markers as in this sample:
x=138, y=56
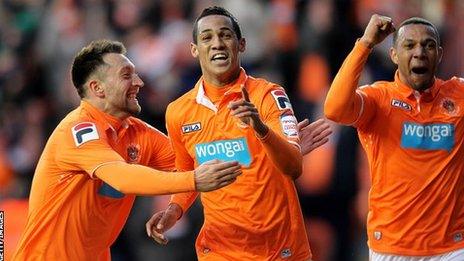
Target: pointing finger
x=245, y=94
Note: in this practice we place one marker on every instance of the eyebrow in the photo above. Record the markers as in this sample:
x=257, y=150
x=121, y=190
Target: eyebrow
x=126, y=68
x=220, y=29
x=428, y=39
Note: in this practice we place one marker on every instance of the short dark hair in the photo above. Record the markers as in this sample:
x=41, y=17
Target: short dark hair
x=216, y=10
x=90, y=58
x=416, y=20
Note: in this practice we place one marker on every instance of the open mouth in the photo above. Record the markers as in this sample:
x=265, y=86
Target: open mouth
x=219, y=57
x=132, y=96
x=419, y=70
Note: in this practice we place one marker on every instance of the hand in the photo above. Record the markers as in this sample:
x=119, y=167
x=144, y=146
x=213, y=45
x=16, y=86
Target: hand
x=248, y=114
x=216, y=174
x=313, y=135
x=378, y=28
x=161, y=222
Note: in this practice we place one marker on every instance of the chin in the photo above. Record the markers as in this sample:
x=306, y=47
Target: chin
x=134, y=111
x=221, y=71
x=422, y=86
x=421, y=83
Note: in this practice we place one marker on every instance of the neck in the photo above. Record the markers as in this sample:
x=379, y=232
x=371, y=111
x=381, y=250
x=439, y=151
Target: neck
x=222, y=81
x=102, y=106
x=419, y=88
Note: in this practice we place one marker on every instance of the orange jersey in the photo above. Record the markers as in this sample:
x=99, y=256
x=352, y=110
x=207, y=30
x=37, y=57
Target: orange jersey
x=258, y=217
x=414, y=145
x=73, y=215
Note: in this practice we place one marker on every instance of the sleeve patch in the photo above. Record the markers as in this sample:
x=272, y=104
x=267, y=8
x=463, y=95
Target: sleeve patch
x=83, y=132
x=289, y=125
x=281, y=98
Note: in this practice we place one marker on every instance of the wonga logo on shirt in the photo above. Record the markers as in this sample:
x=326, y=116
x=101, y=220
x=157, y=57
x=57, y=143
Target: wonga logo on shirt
x=436, y=136
x=226, y=150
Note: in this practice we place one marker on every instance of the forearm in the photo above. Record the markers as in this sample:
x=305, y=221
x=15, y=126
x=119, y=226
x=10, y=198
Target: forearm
x=184, y=200
x=342, y=104
x=285, y=156
x=141, y=180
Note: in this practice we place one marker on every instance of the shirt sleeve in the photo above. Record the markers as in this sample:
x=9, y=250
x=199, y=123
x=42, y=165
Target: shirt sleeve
x=162, y=155
x=144, y=180
x=281, y=143
x=85, y=147
x=183, y=160
x=343, y=104
x=369, y=97
x=277, y=113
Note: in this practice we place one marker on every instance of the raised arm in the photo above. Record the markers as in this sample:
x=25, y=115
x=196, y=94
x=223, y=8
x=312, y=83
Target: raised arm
x=343, y=105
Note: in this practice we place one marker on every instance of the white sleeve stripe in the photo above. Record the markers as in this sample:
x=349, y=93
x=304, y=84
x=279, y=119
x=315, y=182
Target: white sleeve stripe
x=360, y=111
x=101, y=164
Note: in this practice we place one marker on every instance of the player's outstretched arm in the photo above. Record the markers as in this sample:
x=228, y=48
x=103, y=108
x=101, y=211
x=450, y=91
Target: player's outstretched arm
x=215, y=174
x=141, y=180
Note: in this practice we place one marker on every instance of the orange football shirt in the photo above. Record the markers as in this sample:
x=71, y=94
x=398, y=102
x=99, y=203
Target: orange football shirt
x=73, y=215
x=414, y=145
x=258, y=217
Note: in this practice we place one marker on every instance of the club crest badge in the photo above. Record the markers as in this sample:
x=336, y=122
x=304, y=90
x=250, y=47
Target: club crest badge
x=133, y=153
x=449, y=106
x=286, y=253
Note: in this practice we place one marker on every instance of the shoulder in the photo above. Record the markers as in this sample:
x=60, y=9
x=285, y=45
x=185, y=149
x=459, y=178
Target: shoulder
x=378, y=87
x=453, y=87
x=262, y=85
x=456, y=81
x=77, y=118
x=141, y=126
x=181, y=104
x=259, y=88
x=78, y=128
x=266, y=94
x=184, y=99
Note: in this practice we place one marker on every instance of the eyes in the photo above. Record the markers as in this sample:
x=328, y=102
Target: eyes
x=408, y=46
x=129, y=75
x=208, y=36
x=429, y=45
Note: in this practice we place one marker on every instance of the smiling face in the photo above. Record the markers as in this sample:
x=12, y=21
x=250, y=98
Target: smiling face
x=120, y=85
x=217, y=49
x=417, y=54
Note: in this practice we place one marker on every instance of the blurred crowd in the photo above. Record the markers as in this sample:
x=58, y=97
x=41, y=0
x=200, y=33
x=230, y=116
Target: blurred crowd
x=297, y=43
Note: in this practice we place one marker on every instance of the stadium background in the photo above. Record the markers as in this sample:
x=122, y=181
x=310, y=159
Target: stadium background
x=299, y=44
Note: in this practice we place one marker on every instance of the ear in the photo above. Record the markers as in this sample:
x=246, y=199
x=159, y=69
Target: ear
x=96, y=88
x=242, y=45
x=394, y=55
x=440, y=53
x=194, y=50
